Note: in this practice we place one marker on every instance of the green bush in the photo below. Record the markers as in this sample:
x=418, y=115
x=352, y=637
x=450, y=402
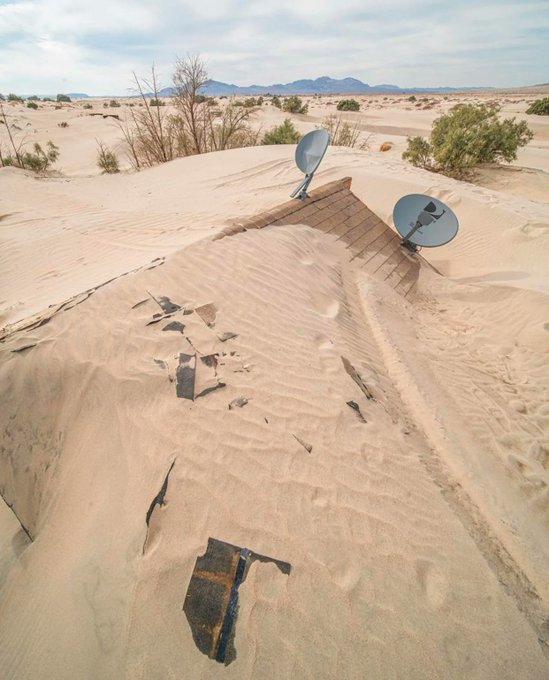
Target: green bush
x=33, y=98
x=88, y=106
x=32, y=105
x=114, y=104
x=63, y=98
x=468, y=136
x=2, y=98
x=106, y=160
x=157, y=102
x=540, y=107
x=37, y=160
x=412, y=98
x=294, y=104
x=282, y=134
x=275, y=101
x=250, y=102
x=14, y=97
x=348, y=105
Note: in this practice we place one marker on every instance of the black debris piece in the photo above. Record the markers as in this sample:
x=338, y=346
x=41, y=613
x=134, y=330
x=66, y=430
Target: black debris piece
x=185, y=376
x=211, y=602
x=174, y=326
x=355, y=375
x=239, y=402
x=305, y=445
x=356, y=409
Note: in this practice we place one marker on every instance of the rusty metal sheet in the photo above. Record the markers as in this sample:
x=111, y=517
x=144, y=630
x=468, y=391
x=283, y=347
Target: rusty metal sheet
x=211, y=603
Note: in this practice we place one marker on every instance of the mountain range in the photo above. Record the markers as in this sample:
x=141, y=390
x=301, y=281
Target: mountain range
x=322, y=85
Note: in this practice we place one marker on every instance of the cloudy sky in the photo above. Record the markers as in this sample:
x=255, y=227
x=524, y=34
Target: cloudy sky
x=51, y=46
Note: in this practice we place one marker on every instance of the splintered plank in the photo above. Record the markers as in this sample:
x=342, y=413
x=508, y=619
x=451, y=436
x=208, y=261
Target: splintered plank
x=185, y=376
x=211, y=602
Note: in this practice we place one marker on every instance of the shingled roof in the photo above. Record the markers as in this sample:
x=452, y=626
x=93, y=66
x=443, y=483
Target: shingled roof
x=335, y=210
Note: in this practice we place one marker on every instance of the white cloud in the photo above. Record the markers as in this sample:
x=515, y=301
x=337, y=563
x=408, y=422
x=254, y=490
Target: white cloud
x=55, y=45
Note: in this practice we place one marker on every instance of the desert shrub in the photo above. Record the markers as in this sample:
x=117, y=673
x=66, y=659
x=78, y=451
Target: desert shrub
x=63, y=124
x=88, y=106
x=114, y=104
x=238, y=102
x=348, y=105
x=343, y=133
x=412, y=98
x=106, y=159
x=294, y=104
x=2, y=98
x=32, y=105
x=157, y=102
x=105, y=105
x=250, y=102
x=275, y=101
x=63, y=98
x=386, y=146
x=14, y=97
x=468, y=136
x=58, y=106
x=37, y=160
x=153, y=135
x=33, y=98
x=282, y=134
x=47, y=99
x=540, y=107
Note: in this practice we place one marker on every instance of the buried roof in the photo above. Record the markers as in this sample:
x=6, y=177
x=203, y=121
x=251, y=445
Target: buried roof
x=335, y=210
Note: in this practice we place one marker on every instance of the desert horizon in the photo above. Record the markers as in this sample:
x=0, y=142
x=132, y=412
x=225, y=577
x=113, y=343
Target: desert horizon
x=255, y=428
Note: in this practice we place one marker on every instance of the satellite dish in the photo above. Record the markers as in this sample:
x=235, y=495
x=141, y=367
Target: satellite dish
x=424, y=221
x=308, y=155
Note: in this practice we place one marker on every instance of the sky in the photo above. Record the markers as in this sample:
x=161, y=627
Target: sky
x=93, y=46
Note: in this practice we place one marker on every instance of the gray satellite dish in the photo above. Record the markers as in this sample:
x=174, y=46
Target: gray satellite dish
x=308, y=155
x=424, y=221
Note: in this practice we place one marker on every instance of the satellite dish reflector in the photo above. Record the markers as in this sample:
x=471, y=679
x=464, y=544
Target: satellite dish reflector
x=424, y=221
x=308, y=155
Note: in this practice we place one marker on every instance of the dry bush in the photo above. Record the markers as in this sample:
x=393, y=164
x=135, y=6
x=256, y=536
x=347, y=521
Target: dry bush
x=153, y=135
x=386, y=146
x=343, y=133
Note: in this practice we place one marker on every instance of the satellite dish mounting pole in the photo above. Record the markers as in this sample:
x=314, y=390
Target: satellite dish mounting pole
x=406, y=240
x=301, y=191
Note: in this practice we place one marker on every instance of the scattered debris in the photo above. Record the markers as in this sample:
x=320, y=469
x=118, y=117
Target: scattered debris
x=185, y=376
x=157, y=500
x=239, y=402
x=355, y=375
x=24, y=347
x=157, y=318
x=223, y=337
x=165, y=304
x=174, y=326
x=307, y=447
x=211, y=602
x=160, y=363
x=188, y=384
x=207, y=313
x=356, y=408
x=141, y=302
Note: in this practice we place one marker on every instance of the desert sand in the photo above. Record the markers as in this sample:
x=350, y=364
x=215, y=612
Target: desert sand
x=416, y=530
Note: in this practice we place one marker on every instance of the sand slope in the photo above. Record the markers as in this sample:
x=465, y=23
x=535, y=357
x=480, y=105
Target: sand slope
x=416, y=539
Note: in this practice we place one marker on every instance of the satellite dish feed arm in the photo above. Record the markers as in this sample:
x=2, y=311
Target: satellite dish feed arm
x=412, y=231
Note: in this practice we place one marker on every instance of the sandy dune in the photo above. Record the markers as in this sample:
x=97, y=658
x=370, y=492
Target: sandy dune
x=417, y=539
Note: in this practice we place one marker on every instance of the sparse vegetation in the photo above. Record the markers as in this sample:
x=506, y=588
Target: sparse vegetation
x=294, y=104
x=540, y=107
x=63, y=124
x=412, y=98
x=14, y=98
x=154, y=136
x=106, y=159
x=88, y=106
x=32, y=105
x=33, y=98
x=275, y=101
x=114, y=104
x=63, y=98
x=466, y=137
x=282, y=134
x=157, y=102
x=16, y=155
x=348, y=105
x=343, y=133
